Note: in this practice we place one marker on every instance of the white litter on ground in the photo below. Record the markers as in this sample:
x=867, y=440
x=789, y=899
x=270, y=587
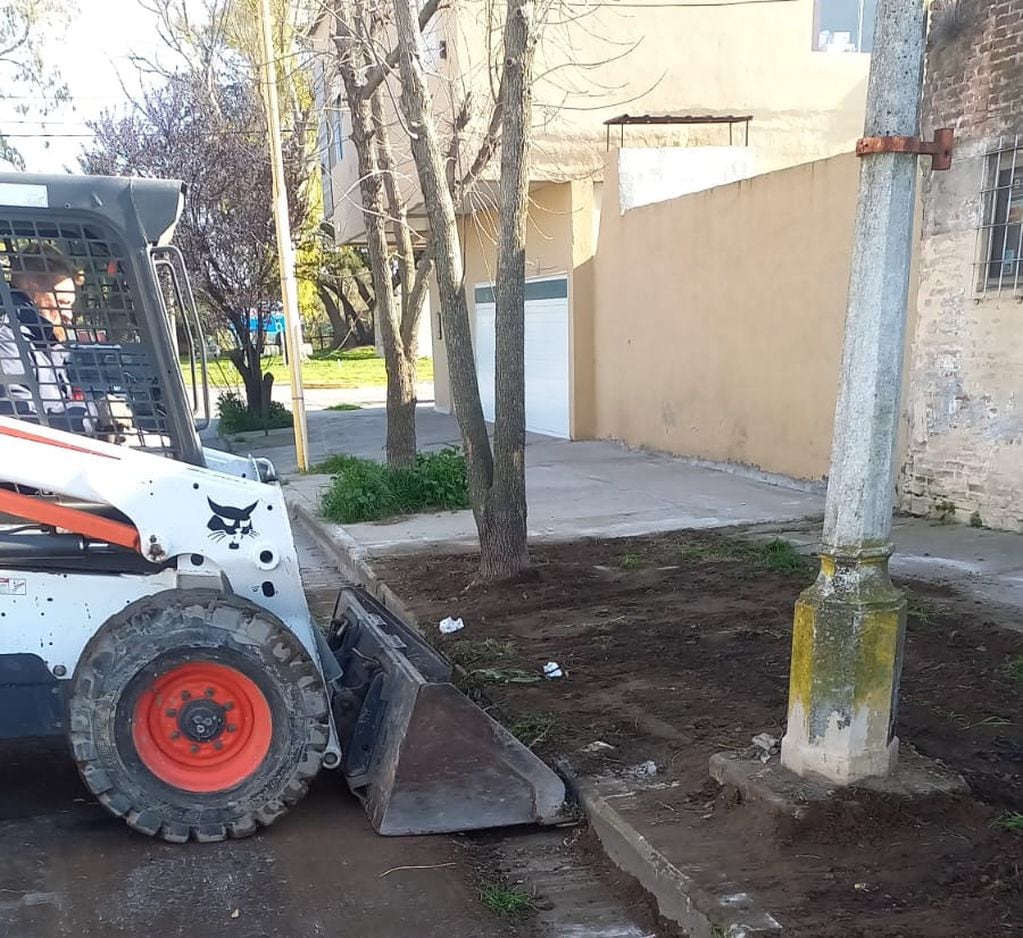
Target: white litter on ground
x=552, y=670
x=449, y=625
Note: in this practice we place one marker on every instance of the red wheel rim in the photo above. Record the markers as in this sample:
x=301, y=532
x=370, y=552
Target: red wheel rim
x=202, y=727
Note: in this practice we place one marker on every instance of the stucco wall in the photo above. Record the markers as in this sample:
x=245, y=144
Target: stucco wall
x=549, y=243
x=965, y=456
x=718, y=318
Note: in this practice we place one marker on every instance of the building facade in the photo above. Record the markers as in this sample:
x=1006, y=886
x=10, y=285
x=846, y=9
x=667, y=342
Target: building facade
x=965, y=399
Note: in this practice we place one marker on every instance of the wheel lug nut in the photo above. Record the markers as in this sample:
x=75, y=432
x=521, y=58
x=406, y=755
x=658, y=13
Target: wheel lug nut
x=172, y=712
x=195, y=748
x=218, y=745
x=186, y=695
x=175, y=735
x=231, y=727
x=229, y=705
x=210, y=691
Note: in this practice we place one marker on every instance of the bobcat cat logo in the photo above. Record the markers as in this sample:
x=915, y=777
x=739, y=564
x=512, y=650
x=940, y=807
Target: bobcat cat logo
x=233, y=523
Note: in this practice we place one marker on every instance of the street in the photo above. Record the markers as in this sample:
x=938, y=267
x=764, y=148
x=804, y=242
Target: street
x=70, y=869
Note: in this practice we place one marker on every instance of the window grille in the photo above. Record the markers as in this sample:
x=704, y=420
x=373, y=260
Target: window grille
x=999, y=264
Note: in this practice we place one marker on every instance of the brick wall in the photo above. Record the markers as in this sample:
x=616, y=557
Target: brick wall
x=974, y=67
x=965, y=397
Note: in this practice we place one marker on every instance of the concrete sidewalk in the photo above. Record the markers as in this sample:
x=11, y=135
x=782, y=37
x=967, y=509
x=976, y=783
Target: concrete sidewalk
x=600, y=489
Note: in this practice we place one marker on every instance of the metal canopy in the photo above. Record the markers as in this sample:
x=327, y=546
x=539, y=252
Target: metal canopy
x=624, y=120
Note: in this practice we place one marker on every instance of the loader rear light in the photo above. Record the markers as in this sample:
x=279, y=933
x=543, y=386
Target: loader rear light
x=77, y=394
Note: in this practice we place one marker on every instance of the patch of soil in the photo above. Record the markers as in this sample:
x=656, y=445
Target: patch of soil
x=674, y=650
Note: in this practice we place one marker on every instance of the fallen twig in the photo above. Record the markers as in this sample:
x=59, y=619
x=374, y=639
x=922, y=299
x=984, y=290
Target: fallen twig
x=431, y=866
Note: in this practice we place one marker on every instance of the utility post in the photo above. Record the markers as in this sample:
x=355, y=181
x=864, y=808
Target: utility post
x=849, y=627
x=285, y=249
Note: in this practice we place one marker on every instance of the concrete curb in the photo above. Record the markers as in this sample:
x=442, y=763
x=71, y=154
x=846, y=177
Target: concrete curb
x=679, y=897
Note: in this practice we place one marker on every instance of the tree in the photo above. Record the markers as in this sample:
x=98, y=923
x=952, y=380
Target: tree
x=341, y=280
x=399, y=289
x=27, y=80
x=211, y=136
x=496, y=476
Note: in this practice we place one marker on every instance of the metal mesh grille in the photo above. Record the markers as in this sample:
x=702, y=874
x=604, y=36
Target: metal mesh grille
x=999, y=261
x=75, y=351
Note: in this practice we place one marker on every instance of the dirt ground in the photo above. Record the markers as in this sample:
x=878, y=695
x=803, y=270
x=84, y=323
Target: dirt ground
x=677, y=646
x=70, y=870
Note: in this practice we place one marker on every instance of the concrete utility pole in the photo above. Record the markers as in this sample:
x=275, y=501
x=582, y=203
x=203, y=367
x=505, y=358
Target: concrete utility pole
x=850, y=625
x=285, y=249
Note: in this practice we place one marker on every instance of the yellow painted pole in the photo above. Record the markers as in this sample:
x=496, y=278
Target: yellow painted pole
x=285, y=249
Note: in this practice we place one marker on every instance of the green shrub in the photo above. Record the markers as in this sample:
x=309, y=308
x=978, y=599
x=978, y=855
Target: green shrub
x=364, y=490
x=235, y=416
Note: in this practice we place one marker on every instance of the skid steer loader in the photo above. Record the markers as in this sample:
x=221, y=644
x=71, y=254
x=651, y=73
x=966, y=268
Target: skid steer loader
x=151, y=608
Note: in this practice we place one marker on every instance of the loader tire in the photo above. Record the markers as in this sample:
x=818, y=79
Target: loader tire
x=196, y=715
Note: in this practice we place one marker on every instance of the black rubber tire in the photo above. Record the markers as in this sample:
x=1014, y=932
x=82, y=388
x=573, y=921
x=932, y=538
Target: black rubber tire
x=150, y=635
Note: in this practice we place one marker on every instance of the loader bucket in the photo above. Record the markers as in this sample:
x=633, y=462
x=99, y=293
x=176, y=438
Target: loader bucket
x=422, y=757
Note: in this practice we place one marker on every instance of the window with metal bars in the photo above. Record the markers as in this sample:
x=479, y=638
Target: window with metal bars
x=1000, y=238
x=75, y=354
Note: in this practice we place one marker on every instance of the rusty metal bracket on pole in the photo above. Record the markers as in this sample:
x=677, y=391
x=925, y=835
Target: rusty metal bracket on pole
x=939, y=149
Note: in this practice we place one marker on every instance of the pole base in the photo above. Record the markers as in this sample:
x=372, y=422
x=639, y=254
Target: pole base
x=847, y=641
x=837, y=763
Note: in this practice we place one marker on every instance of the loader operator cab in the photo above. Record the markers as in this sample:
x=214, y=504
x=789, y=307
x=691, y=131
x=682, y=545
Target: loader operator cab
x=100, y=333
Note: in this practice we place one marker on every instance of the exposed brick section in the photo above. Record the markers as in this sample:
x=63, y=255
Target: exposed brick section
x=965, y=399
x=974, y=81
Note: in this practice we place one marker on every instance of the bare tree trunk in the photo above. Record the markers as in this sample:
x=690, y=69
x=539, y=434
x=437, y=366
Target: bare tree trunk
x=359, y=326
x=506, y=506
x=500, y=523
x=339, y=327
x=401, y=378
x=354, y=35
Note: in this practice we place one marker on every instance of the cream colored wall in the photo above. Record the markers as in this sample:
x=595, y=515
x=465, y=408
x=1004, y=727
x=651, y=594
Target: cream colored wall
x=647, y=57
x=549, y=250
x=651, y=57
x=719, y=316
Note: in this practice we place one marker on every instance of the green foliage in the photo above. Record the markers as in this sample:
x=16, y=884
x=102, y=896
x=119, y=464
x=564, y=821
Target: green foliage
x=531, y=729
x=489, y=652
x=1009, y=821
x=506, y=676
x=363, y=354
x=976, y=521
x=235, y=416
x=1014, y=668
x=344, y=368
x=777, y=555
x=505, y=901
x=364, y=490
x=630, y=562
x=343, y=407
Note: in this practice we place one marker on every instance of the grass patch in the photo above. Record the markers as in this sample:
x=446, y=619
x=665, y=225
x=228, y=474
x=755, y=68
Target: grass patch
x=503, y=900
x=1014, y=668
x=506, y=676
x=531, y=729
x=340, y=407
x=490, y=652
x=631, y=562
x=347, y=368
x=235, y=416
x=920, y=610
x=1009, y=821
x=364, y=490
x=777, y=555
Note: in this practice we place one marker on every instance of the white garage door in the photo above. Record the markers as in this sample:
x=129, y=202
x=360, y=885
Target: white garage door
x=547, y=363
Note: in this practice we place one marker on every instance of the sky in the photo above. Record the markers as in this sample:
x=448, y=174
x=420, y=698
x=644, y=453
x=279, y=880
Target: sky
x=91, y=56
